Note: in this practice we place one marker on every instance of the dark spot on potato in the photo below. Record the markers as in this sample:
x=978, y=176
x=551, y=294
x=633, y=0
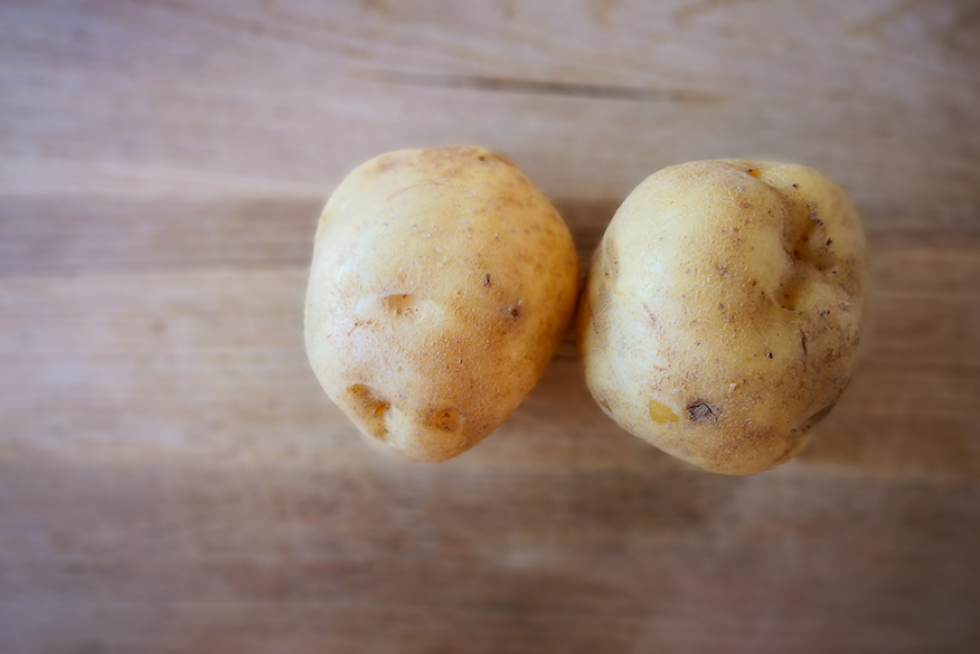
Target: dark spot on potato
x=486, y=280
x=796, y=186
x=701, y=412
x=803, y=341
x=769, y=354
x=829, y=241
x=514, y=310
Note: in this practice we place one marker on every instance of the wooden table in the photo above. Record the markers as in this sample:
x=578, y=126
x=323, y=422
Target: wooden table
x=172, y=479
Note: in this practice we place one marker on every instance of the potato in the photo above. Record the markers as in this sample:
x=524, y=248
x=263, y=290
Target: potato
x=723, y=309
x=442, y=283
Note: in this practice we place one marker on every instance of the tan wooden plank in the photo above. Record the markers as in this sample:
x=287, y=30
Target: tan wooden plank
x=287, y=97
x=415, y=559
x=173, y=480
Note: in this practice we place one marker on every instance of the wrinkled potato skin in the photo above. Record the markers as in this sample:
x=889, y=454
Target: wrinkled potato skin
x=441, y=285
x=723, y=309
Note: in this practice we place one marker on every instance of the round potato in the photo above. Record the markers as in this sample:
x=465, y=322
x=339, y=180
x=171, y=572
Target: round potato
x=723, y=309
x=442, y=282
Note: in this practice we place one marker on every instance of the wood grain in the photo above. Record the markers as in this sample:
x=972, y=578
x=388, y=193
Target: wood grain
x=172, y=479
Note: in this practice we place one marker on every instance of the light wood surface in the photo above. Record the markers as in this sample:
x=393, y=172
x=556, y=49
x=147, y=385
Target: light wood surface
x=172, y=479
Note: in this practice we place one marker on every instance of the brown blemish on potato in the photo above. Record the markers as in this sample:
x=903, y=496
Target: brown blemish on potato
x=661, y=414
x=448, y=419
x=371, y=409
x=701, y=412
x=787, y=298
x=486, y=280
x=401, y=304
x=653, y=318
x=514, y=311
x=804, y=237
x=803, y=341
x=605, y=406
x=754, y=172
x=360, y=323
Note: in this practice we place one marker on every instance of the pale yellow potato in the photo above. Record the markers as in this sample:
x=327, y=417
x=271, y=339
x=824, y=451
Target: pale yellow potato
x=442, y=283
x=723, y=310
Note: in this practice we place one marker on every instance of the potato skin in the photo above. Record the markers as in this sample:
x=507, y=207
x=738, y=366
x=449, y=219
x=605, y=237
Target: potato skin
x=723, y=309
x=441, y=285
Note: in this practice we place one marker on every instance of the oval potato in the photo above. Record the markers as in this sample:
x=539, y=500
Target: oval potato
x=723, y=309
x=441, y=285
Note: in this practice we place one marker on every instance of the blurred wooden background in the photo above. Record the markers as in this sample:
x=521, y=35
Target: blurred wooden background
x=172, y=479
